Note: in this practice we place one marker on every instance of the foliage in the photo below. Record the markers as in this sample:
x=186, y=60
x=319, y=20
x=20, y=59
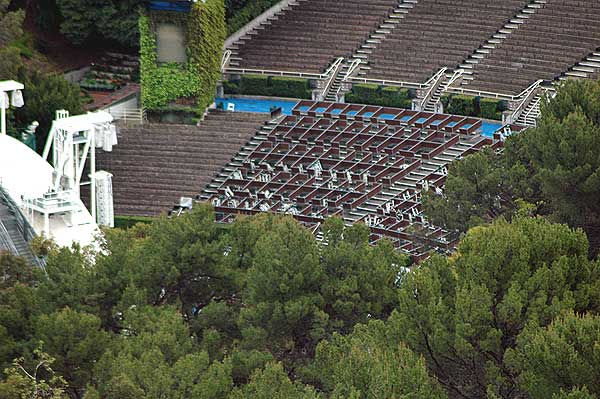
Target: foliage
x=381, y=95
x=559, y=357
x=208, y=32
x=76, y=341
x=10, y=24
x=164, y=83
x=112, y=19
x=43, y=95
x=464, y=313
x=553, y=166
x=124, y=222
x=273, y=383
x=479, y=188
x=459, y=104
x=262, y=85
x=241, y=12
x=370, y=364
x=39, y=382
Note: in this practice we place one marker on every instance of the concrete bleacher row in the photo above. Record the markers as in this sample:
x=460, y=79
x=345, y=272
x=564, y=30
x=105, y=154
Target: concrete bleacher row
x=362, y=163
x=436, y=34
x=154, y=165
x=559, y=35
x=544, y=40
x=310, y=35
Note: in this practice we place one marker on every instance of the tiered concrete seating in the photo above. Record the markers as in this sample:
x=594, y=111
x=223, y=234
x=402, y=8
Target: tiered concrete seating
x=362, y=163
x=311, y=34
x=155, y=165
x=436, y=34
x=554, y=39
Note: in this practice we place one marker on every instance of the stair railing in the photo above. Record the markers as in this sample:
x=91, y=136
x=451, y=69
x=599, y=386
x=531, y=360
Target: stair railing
x=526, y=96
x=433, y=83
x=331, y=73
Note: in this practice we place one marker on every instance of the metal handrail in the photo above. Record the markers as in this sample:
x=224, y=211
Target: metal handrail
x=333, y=71
x=268, y=72
x=354, y=65
x=225, y=59
x=527, y=95
x=384, y=82
x=135, y=114
x=434, y=82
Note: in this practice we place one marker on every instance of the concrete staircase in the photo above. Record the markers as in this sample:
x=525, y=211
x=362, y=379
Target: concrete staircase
x=531, y=113
x=489, y=45
x=589, y=67
x=391, y=22
x=11, y=234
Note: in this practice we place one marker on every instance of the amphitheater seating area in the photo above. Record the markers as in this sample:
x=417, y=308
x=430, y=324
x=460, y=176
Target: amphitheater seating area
x=155, y=165
x=311, y=34
x=362, y=163
x=561, y=34
x=436, y=34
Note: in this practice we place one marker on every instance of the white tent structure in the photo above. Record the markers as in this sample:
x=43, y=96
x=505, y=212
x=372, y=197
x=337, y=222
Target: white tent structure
x=49, y=194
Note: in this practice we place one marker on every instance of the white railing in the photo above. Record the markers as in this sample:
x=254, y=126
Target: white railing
x=332, y=71
x=225, y=59
x=270, y=72
x=384, y=82
x=527, y=95
x=333, y=67
x=135, y=115
x=354, y=65
x=434, y=82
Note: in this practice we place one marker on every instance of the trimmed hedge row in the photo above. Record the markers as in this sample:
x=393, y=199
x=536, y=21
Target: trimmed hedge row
x=488, y=108
x=381, y=95
x=261, y=85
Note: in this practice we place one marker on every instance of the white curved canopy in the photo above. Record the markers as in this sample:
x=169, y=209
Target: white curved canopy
x=23, y=173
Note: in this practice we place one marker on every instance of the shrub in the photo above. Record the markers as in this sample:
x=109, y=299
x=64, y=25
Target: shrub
x=261, y=85
x=380, y=95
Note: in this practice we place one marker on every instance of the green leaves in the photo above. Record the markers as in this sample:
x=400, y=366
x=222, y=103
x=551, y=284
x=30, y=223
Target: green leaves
x=164, y=83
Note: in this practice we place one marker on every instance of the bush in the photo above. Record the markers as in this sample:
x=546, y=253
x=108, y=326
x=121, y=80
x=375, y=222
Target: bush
x=458, y=104
x=488, y=108
x=175, y=114
x=381, y=95
x=260, y=85
x=125, y=222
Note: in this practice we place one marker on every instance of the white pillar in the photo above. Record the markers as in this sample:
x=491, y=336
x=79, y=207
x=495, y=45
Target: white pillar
x=93, y=174
x=3, y=131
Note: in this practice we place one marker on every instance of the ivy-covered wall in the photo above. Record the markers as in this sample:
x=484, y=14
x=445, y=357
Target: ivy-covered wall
x=163, y=83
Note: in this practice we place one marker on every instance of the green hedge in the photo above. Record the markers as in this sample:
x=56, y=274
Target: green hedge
x=176, y=114
x=125, y=222
x=381, y=95
x=261, y=85
x=488, y=108
x=164, y=83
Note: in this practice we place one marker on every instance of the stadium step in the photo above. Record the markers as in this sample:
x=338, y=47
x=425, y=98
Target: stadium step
x=480, y=54
x=588, y=67
x=391, y=22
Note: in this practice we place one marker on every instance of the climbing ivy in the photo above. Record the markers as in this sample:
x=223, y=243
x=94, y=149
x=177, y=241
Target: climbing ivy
x=167, y=82
x=207, y=32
